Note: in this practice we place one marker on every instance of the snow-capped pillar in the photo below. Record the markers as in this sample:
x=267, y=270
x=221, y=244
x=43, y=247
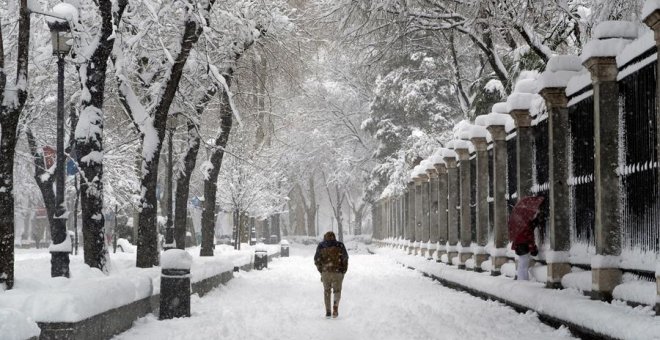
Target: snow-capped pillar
x=500, y=231
x=524, y=151
x=410, y=224
x=426, y=226
x=464, y=251
x=418, y=215
x=553, y=82
x=605, y=272
x=433, y=209
x=452, y=203
x=559, y=231
x=481, y=145
x=442, y=209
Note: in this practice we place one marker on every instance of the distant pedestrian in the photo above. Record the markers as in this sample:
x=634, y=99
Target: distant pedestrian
x=331, y=260
x=524, y=218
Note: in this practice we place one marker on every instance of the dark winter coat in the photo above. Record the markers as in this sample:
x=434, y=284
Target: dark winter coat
x=331, y=256
x=522, y=221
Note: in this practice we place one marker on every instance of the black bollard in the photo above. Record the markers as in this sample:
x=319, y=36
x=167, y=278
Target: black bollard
x=260, y=259
x=284, y=248
x=175, y=284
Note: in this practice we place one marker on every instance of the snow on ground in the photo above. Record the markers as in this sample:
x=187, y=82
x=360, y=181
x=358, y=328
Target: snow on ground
x=380, y=300
x=616, y=319
x=46, y=299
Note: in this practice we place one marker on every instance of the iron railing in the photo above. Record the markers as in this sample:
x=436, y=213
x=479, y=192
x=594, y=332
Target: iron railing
x=638, y=170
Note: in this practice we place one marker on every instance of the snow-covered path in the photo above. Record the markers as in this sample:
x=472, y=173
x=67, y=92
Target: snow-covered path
x=380, y=300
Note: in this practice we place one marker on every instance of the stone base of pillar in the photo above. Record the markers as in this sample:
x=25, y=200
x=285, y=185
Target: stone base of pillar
x=555, y=272
x=478, y=260
x=498, y=261
x=603, y=281
x=405, y=248
x=431, y=252
x=411, y=250
x=462, y=257
x=657, y=298
x=416, y=251
x=450, y=256
x=422, y=252
x=440, y=253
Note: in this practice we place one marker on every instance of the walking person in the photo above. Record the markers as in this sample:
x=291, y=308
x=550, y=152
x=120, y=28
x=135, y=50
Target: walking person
x=331, y=260
x=524, y=218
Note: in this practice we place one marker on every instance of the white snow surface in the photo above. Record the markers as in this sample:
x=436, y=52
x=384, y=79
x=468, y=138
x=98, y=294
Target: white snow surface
x=527, y=85
x=520, y=101
x=616, y=320
x=175, y=259
x=603, y=48
x=63, y=10
x=578, y=82
x=645, y=42
x=615, y=29
x=495, y=118
x=649, y=7
x=577, y=279
x=639, y=291
x=85, y=294
x=500, y=108
x=16, y=325
x=64, y=247
x=566, y=62
x=380, y=300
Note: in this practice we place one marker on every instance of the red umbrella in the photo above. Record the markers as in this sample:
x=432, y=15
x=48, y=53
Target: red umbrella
x=521, y=230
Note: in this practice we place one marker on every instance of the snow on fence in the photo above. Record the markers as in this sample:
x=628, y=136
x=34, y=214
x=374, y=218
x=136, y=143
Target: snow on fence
x=638, y=170
x=581, y=170
x=473, y=196
x=491, y=201
x=541, y=171
x=511, y=170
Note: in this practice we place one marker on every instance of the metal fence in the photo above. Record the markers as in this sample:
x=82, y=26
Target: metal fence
x=581, y=166
x=640, y=213
x=473, y=195
x=541, y=171
x=512, y=175
x=491, y=201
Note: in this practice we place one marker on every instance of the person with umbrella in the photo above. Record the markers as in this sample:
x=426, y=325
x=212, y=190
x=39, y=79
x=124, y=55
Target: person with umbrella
x=524, y=218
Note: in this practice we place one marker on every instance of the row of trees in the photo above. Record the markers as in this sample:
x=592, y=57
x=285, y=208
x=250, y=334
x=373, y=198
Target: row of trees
x=435, y=62
x=267, y=119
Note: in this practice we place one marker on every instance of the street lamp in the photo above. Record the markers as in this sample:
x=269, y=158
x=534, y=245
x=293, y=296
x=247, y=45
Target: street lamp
x=172, y=123
x=60, y=36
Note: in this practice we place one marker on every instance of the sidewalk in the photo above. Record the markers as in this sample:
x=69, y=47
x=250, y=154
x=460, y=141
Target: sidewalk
x=590, y=318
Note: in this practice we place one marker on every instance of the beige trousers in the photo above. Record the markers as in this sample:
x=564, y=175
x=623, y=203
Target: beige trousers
x=332, y=281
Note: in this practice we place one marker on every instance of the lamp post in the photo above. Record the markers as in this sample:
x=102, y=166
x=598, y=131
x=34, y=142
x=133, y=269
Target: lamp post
x=169, y=229
x=60, y=35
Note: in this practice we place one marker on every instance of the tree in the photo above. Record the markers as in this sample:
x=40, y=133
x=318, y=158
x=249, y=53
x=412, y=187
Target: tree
x=12, y=101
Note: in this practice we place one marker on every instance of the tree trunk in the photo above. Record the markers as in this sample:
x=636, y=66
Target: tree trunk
x=45, y=184
x=9, y=115
x=147, y=254
x=311, y=208
x=183, y=177
x=211, y=180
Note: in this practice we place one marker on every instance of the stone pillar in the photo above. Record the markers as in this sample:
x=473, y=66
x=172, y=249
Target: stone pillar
x=481, y=149
x=442, y=209
x=500, y=230
x=464, y=251
x=426, y=226
x=410, y=225
x=605, y=274
x=653, y=21
x=433, y=210
x=524, y=151
x=452, y=203
x=418, y=215
x=558, y=218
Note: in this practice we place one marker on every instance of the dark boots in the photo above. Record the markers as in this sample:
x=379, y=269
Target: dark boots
x=335, y=311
